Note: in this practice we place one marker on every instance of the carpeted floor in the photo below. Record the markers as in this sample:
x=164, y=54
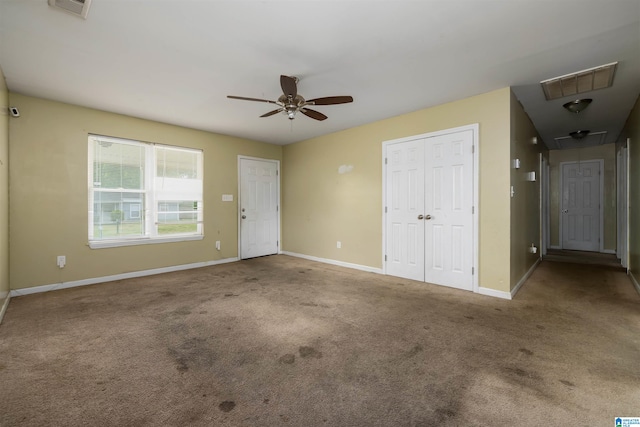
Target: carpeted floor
x=281, y=341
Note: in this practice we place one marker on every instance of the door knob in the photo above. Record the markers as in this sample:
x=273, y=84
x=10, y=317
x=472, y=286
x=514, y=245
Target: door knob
x=420, y=216
x=565, y=210
x=428, y=217
x=244, y=217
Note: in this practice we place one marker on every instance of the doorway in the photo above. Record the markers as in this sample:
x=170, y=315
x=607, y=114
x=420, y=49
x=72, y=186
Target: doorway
x=581, y=186
x=258, y=207
x=430, y=194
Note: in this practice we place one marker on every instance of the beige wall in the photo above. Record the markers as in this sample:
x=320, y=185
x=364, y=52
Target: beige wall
x=632, y=131
x=606, y=152
x=4, y=191
x=321, y=206
x=48, y=186
x=525, y=203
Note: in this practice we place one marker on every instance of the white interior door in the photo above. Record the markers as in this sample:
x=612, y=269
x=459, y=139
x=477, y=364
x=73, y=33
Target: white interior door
x=580, y=208
x=259, y=217
x=448, y=210
x=405, y=209
x=429, y=195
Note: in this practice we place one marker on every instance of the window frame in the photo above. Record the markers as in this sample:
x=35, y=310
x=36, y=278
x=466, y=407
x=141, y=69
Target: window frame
x=149, y=205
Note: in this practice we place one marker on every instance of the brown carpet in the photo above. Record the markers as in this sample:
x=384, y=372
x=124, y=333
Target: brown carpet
x=280, y=341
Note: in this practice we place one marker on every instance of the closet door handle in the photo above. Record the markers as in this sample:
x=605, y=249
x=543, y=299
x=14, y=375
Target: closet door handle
x=428, y=217
x=420, y=216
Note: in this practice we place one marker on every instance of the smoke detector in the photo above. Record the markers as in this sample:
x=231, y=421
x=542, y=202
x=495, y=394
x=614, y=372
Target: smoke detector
x=76, y=7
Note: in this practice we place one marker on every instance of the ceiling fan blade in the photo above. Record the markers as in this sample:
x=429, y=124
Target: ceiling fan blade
x=289, y=86
x=271, y=113
x=251, y=99
x=330, y=100
x=313, y=114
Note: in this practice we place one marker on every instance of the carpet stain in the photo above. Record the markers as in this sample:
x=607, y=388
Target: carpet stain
x=231, y=295
x=227, y=406
x=415, y=350
x=540, y=327
x=3, y=367
x=469, y=317
x=287, y=359
x=498, y=309
x=182, y=311
x=265, y=401
x=309, y=352
x=445, y=413
x=526, y=351
x=518, y=372
x=167, y=294
x=308, y=304
x=567, y=383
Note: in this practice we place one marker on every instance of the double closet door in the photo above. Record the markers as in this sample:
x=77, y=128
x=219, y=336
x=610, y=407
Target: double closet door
x=429, y=212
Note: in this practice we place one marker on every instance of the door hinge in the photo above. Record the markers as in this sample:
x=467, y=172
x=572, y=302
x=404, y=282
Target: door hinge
x=473, y=149
x=385, y=160
x=473, y=209
x=473, y=271
x=385, y=258
x=277, y=208
x=385, y=209
x=278, y=243
x=277, y=172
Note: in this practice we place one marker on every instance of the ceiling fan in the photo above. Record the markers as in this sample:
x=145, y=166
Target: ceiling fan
x=290, y=102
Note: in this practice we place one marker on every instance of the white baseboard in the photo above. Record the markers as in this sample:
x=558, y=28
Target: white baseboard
x=334, y=262
x=555, y=247
x=494, y=293
x=133, y=274
x=524, y=278
x=609, y=251
x=634, y=281
x=4, y=306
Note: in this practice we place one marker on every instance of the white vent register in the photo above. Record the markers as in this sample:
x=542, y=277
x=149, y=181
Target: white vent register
x=76, y=7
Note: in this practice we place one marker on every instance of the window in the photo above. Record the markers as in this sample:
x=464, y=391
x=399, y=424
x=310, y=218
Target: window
x=143, y=193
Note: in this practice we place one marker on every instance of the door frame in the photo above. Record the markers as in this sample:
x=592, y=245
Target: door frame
x=239, y=213
x=622, y=182
x=600, y=202
x=545, y=218
x=474, y=128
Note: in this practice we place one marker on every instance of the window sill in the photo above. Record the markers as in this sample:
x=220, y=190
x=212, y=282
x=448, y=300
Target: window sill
x=99, y=244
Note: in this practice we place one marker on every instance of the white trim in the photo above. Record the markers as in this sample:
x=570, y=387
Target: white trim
x=524, y=278
x=609, y=251
x=239, y=207
x=334, y=262
x=494, y=293
x=4, y=306
x=475, y=131
x=99, y=244
x=555, y=247
x=133, y=274
x=560, y=201
x=634, y=281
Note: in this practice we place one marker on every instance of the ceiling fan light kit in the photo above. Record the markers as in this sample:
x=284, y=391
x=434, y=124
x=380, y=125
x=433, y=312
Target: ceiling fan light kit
x=290, y=102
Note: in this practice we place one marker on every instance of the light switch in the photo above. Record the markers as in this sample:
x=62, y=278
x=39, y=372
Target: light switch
x=227, y=197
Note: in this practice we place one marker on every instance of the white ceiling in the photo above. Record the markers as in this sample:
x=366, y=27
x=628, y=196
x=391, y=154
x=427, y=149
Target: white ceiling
x=175, y=61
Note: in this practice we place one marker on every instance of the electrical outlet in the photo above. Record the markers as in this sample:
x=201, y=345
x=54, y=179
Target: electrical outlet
x=339, y=244
x=62, y=261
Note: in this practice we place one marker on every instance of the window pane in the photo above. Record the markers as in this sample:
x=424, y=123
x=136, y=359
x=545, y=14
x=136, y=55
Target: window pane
x=118, y=165
x=177, y=163
x=179, y=217
x=117, y=215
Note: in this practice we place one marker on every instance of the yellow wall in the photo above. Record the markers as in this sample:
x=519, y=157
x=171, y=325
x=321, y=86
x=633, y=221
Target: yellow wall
x=606, y=152
x=525, y=203
x=632, y=131
x=321, y=206
x=4, y=191
x=48, y=186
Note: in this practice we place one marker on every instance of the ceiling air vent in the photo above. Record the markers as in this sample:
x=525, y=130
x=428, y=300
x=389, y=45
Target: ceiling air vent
x=579, y=82
x=76, y=7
